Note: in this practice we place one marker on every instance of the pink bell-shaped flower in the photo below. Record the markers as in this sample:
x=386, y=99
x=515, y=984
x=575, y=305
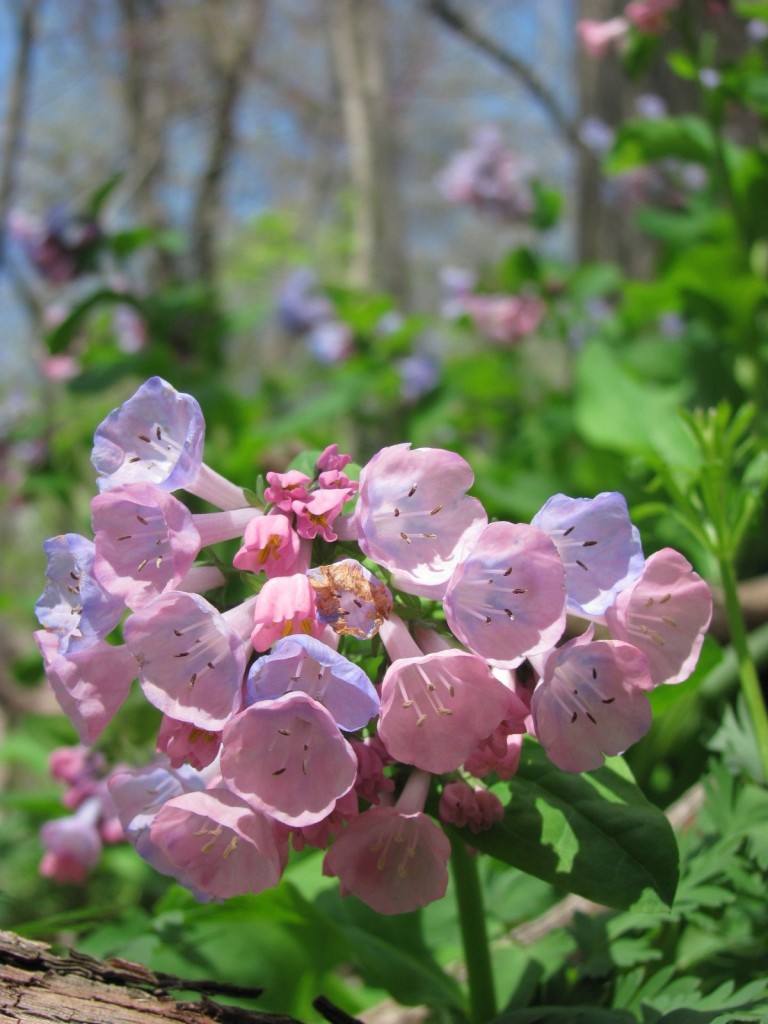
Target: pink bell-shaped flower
x=145, y=541
x=72, y=844
x=395, y=859
x=89, y=684
x=591, y=702
x=506, y=599
x=287, y=758
x=157, y=436
x=414, y=517
x=435, y=708
x=665, y=613
x=599, y=546
x=184, y=743
x=192, y=657
x=284, y=605
x=270, y=545
x=221, y=845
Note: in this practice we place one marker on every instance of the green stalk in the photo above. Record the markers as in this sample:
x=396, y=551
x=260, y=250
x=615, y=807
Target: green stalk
x=748, y=676
x=474, y=935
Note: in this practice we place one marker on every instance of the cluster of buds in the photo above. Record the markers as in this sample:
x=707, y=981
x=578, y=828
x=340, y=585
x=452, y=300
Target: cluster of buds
x=490, y=178
x=272, y=733
x=60, y=247
x=73, y=842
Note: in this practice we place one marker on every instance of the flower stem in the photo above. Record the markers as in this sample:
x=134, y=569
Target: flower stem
x=474, y=935
x=748, y=676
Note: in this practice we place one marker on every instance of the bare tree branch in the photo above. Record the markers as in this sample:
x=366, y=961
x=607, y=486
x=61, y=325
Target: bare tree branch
x=146, y=104
x=207, y=205
x=17, y=104
x=452, y=19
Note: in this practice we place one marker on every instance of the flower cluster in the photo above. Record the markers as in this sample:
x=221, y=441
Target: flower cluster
x=502, y=319
x=305, y=312
x=272, y=733
x=60, y=247
x=650, y=17
x=490, y=178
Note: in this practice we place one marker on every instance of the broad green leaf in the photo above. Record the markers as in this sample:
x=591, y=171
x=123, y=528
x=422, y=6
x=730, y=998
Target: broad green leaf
x=390, y=953
x=593, y=834
x=616, y=409
x=640, y=140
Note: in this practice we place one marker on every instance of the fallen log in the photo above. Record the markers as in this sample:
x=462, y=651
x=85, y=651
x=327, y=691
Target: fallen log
x=40, y=986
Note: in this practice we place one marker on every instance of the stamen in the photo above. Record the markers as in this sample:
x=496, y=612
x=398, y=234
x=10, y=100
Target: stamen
x=141, y=564
x=435, y=510
x=142, y=520
x=569, y=530
x=582, y=565
x=589, y=543
x=412, y=491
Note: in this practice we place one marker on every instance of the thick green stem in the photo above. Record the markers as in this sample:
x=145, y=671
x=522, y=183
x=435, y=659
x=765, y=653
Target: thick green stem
x=474, y=935
x=748, y=676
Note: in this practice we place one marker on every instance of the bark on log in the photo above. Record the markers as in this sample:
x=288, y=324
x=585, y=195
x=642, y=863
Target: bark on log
x=38, y=986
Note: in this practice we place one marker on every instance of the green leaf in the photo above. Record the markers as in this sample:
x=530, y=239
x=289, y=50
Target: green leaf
x=549, y=204
x=59, y=338
x=390, y=953
x=593, y=834
x=618, y=410
x=565, y=1015
x=98, y=197
x=641, y=140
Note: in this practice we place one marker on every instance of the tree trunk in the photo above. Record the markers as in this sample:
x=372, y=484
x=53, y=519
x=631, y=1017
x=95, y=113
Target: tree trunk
x=357, y=47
